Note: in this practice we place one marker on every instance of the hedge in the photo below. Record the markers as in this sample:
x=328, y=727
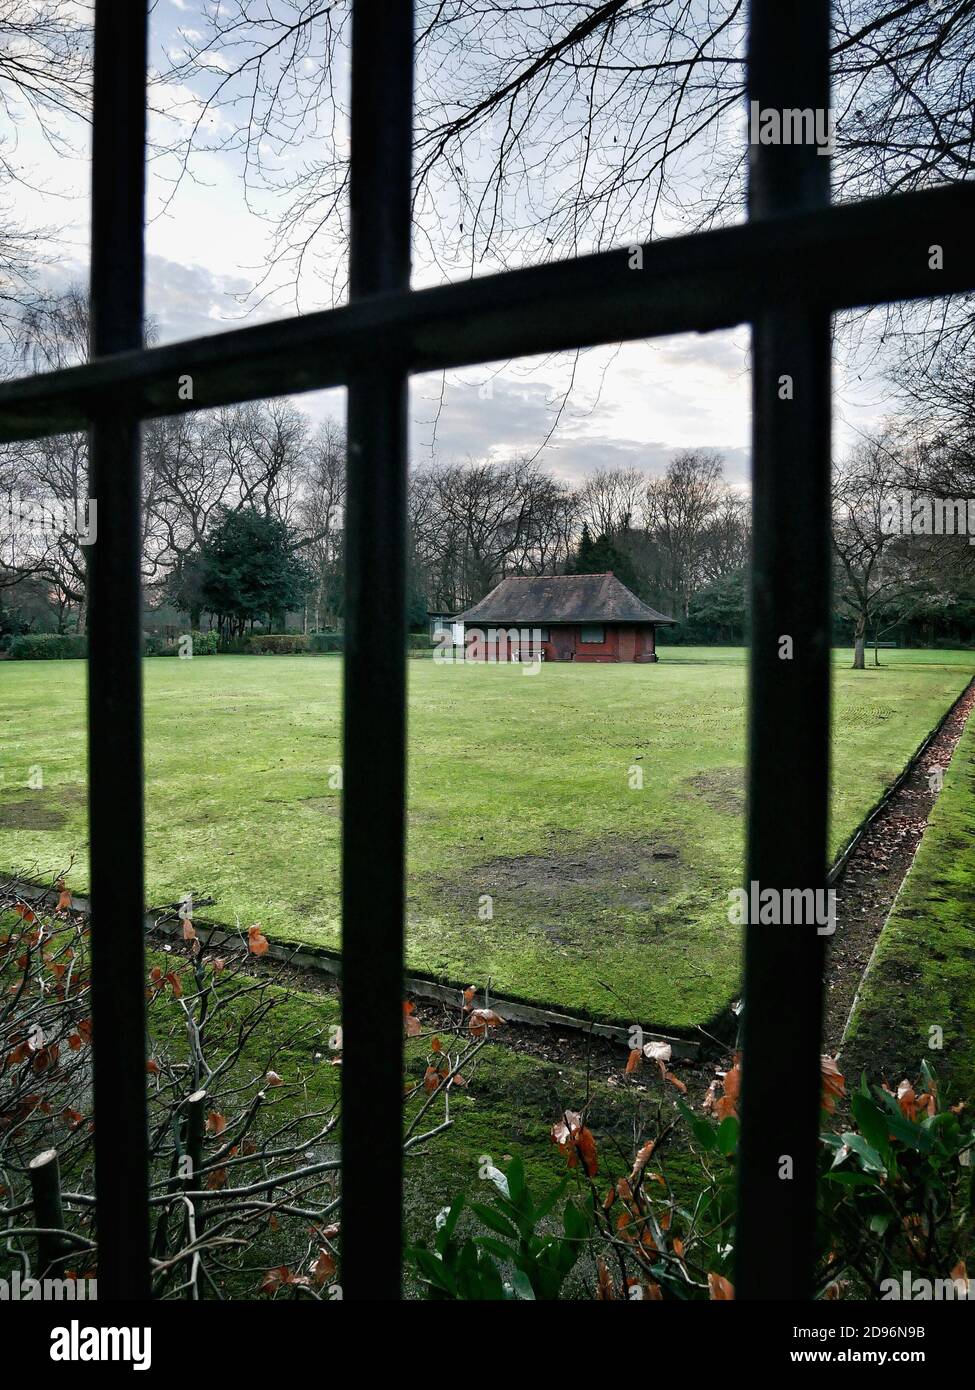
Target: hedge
x=326, y=642
x=204, y=644
x=278, y=643
x=48, y=646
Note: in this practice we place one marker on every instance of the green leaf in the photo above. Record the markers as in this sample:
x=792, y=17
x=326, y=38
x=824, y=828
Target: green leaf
x=727, y=1136
x=909, y=1133
x=575, y=1222
x=433, y=1270
x=547, y=1203
x=867, y=1154
x=494, y=1220
x=705, y=1133
x=873, y=1124
x=453, y=1216
x=515, y=1173
x=495, y=1247
x=850, y=1179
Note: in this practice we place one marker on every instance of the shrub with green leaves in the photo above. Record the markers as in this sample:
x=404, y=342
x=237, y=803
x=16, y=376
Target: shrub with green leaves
x=206, y=643
x=48, y=646
x=896, y=1200
x=326, y=642
x=512, y=1256
x=896, y=1193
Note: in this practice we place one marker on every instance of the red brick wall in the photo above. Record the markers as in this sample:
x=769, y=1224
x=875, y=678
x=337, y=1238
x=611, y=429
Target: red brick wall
x=607, y=650
x=568, y=645
x=646, y=644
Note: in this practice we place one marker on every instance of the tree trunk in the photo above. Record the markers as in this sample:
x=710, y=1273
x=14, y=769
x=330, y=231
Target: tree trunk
x=858, y=644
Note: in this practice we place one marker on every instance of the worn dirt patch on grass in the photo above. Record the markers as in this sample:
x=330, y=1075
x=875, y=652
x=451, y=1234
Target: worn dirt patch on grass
x=597, y=865
x=326, y=805
x=41, y=810
x=723, y=790
x=613, y=873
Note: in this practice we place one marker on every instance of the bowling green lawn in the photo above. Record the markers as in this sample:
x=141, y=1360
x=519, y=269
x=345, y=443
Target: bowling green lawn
x=573, y=835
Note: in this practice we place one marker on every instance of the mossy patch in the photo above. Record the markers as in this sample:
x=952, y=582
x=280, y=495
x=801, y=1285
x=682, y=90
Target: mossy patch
x=920, y=985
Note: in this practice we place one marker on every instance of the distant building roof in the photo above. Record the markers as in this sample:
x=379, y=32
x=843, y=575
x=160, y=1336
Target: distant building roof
x=562, y=598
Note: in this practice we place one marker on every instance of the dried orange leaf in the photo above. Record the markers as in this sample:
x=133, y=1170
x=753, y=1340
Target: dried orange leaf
x=834, y=1083
x=323, y=1268
x=483, y=1019
x=642, y=1159
x=257, y=942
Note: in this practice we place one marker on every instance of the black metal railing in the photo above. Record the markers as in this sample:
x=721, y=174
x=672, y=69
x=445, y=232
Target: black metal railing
x=786, y=271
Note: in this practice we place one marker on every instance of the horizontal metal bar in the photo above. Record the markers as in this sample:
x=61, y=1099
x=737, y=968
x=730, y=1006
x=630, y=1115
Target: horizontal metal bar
x=839, y=258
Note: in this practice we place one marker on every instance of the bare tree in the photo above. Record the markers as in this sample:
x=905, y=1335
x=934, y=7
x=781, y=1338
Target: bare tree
x=877, y=567
x=240, y=1158
x=611, y=499
x=45, y=75
x=567, y=124
x=322, y=514
x=725, y=542
x=681, y=509
x=473, y=523
x=545, y=524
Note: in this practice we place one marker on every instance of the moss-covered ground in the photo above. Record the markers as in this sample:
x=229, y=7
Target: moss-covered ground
x=917, y=1000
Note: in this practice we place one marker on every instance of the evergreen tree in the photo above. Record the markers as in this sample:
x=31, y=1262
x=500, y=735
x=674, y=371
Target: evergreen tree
x=249, y=570
x=599, y=556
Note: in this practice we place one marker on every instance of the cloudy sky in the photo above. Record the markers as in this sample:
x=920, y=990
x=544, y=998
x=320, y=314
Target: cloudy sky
x=211, y=264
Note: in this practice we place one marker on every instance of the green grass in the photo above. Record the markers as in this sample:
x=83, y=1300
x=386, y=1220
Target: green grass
x=922, y=975
x=605, y=898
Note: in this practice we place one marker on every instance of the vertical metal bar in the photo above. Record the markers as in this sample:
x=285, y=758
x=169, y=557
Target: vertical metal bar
x=373, y=824
x=115, y=664
x=788, y=778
